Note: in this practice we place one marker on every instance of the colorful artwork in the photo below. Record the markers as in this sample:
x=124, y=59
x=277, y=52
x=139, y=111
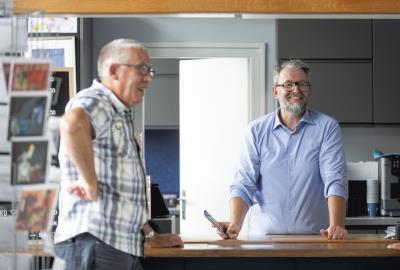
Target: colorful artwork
x=29, y=162
x=36, y=209
x=57, y=56
x=30, y=76
x=27, y=115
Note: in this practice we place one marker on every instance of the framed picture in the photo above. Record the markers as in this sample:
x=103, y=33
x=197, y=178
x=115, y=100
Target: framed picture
x=28, y=114
x=36, y=208
x=29, y=75
x=29, y=161
x=61, y=88
x=59, y=50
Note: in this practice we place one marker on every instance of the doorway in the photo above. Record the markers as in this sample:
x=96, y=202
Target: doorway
x=254, y=56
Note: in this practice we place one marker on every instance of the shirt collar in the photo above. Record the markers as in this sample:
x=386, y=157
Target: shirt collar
x=119, y=106
x=307, y=118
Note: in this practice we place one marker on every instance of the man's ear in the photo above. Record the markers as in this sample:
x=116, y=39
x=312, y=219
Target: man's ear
x=274, y=91
x=113, y=71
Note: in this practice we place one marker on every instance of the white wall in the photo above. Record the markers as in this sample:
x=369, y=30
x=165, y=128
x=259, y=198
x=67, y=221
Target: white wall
x=360, y=141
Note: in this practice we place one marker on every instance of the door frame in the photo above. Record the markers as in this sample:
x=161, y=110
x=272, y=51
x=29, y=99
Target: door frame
x=254, y=52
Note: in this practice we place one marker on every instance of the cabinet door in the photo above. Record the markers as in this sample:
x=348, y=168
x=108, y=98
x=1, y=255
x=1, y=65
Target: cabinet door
x=324, y=39
x=342, y=90
x=162, y=96
x=162, y=103
x=386, y=71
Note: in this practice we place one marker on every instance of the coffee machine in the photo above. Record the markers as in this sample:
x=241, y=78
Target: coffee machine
x=389, y=174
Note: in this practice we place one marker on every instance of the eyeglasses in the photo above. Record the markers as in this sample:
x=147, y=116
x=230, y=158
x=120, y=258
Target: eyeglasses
x=142, y=68
x=289, y=86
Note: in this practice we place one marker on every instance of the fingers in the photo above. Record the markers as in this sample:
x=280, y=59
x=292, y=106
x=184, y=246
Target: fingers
x=339, y=233
x=334, y=233
x=394, y=246
x=175, y=241
x=164, y=240
x=78, y=191
x=83, y=191
x=224, y=226
x=324, y=233
x=233, y=234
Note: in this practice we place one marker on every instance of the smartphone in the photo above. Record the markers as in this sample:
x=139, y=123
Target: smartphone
x=216, y=224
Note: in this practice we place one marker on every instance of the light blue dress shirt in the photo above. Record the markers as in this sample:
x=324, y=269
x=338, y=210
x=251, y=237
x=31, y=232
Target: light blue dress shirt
x=286, y=176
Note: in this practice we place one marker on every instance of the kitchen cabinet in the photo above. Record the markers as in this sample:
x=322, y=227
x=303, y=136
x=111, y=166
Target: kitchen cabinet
x=386, y=70
x=162, y=96
x=355, y=66
x=342, y=90
x=324, y=39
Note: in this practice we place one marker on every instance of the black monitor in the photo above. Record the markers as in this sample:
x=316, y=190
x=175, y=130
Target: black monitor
x=158, y=206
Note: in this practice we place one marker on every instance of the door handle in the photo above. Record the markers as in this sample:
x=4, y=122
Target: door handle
x=183, y=199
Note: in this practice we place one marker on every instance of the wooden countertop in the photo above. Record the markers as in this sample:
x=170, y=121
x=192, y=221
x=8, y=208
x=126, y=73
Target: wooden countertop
x=356, y=245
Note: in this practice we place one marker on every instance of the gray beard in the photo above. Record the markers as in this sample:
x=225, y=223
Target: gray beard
x=295, y=109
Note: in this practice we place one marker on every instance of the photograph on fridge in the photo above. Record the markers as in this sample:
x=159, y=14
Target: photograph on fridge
x=29, y=161
x=30, y=74
x=35, y=209
x=28, y=114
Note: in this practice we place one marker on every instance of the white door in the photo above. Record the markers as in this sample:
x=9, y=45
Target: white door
x=214, y=112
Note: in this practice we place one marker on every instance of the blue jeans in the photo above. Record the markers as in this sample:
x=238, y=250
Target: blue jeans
x=86, y=252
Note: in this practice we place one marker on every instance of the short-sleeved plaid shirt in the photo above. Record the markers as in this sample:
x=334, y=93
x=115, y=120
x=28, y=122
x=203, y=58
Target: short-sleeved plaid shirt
x=118, y=215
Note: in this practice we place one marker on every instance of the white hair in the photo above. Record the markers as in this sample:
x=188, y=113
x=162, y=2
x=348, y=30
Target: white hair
x=115, y=52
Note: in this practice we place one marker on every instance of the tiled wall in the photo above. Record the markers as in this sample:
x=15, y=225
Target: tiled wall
x=162, y=159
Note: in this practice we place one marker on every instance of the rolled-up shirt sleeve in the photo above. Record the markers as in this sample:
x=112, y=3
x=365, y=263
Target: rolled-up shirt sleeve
x=333, y=167
x=247, y=170
x=95, y=109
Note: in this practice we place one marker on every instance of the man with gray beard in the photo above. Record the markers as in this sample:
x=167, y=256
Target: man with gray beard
x=292, y=169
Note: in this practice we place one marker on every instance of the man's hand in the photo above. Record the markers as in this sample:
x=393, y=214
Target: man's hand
x=164, y=241
x=334, y=233
x=232, y=229
x=394, y=246
x=84, y=190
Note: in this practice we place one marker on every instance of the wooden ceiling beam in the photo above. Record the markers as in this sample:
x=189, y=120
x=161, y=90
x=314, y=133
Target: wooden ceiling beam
x=109, y=7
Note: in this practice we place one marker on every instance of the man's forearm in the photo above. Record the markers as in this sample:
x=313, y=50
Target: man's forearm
x=238, y=210
x=337, y=211
x=76, y=134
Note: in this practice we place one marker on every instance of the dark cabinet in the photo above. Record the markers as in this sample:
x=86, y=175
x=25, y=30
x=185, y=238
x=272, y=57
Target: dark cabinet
x=355, y=66
x=386, y=70
x=324, y=39
x=342, y=90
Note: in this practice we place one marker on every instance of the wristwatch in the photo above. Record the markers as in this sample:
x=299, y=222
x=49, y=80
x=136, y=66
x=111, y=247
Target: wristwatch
x=150, y=231
x=150, y=234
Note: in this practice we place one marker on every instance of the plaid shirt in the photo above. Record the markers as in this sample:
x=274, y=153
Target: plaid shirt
x=118, y=215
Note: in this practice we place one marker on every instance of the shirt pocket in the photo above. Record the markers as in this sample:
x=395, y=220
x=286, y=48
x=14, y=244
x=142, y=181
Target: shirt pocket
x=309, y=152
x=122, y=144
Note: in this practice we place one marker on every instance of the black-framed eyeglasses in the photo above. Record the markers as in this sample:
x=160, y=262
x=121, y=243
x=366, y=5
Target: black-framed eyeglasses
x=289, y=86
x=142, y=68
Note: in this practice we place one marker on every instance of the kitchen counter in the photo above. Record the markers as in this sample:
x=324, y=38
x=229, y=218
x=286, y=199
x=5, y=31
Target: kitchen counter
x=365, y=251
x=282, y=246
x=372, y=221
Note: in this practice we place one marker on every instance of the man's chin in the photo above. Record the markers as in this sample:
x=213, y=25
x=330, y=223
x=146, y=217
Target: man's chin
x=295, y=110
